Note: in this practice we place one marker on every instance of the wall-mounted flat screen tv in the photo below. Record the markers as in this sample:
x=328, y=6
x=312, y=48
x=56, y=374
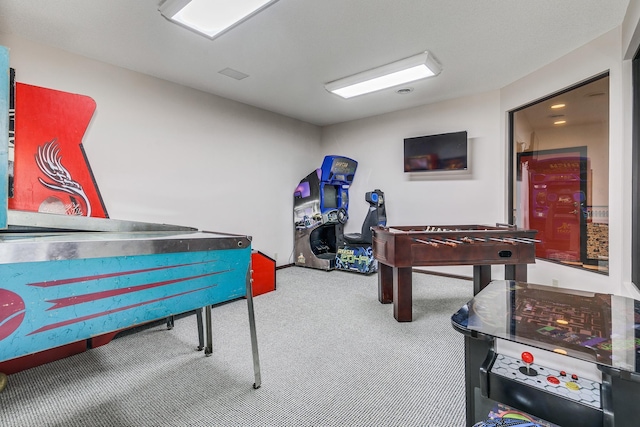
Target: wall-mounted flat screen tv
x=442, y=152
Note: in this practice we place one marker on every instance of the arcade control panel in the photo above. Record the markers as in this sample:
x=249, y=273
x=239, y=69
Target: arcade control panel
x=526, y=377
x=553, y=373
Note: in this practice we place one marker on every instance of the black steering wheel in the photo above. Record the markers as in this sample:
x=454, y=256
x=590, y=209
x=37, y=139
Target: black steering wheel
x=343, y=216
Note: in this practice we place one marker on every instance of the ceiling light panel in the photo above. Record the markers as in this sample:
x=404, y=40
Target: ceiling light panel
x=397, y=73
x=211, y=17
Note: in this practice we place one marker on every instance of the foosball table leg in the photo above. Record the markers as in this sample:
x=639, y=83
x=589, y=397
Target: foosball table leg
x=385, y=283
x=402, y=294
x=517, y=272
x=481, y=277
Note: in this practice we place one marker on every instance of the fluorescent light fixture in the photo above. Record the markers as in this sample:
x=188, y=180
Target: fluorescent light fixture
x=397, y=73
x=211, y=17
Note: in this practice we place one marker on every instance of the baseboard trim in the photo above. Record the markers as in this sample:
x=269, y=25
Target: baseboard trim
x=415, y=270
x=437, y=273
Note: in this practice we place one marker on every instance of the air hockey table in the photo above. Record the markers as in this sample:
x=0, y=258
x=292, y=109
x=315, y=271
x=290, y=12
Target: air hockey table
x=66, y=279
x=560, y=357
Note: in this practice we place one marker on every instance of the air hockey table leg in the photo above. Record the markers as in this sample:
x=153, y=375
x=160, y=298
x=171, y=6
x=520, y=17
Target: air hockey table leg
x=254, y=335
x=200, y=329
x=170, y=322
x=208, y=350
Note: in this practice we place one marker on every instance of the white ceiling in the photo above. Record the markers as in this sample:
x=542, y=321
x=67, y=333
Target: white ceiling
x=291, y=49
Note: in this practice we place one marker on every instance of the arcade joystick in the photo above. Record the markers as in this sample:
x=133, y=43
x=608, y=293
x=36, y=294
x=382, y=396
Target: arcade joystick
x=527, y=358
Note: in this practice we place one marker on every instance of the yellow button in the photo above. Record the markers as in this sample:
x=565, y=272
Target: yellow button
x=573, y=386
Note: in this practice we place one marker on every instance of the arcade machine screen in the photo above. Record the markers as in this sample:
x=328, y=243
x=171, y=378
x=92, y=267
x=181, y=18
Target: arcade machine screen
x=302, y=190
x=589, y=326
x=330, y=197
x=582, y=324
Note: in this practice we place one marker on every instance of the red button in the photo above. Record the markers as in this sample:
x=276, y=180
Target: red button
x=574, y=377
x=563, y=374
x=553, y=380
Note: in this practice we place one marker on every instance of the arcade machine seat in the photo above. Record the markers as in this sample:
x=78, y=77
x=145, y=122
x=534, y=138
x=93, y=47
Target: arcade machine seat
x=355, y=252
x=375, y=216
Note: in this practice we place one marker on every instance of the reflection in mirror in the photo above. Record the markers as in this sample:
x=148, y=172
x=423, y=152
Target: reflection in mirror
x=561, y=180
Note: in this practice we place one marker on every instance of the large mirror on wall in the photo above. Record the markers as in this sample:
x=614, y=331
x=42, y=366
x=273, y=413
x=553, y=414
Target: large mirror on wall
x=560, y=174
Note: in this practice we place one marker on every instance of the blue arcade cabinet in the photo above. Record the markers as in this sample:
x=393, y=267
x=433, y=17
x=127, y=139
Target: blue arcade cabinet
x=320, y=206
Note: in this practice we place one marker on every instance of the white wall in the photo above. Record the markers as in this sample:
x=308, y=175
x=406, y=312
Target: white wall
x=165, y=153
x=377, y=144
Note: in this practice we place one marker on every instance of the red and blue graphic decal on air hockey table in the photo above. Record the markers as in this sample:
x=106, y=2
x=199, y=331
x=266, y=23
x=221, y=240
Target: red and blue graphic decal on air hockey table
x=93, y=296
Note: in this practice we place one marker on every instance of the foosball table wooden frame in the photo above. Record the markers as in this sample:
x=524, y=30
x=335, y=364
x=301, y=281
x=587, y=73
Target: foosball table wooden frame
x=398, y=249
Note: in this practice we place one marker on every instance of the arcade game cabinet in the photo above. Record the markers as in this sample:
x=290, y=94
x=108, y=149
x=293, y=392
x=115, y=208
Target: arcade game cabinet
x=356, y=249
x=320, y=204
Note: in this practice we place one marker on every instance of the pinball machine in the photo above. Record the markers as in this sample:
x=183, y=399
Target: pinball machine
x=70, y=278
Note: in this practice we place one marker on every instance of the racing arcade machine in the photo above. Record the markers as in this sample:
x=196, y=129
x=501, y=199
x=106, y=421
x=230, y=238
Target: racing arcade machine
x=356, y=249
x=320, y=204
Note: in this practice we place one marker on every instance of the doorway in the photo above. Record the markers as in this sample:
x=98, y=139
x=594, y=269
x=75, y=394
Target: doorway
x=560, y=174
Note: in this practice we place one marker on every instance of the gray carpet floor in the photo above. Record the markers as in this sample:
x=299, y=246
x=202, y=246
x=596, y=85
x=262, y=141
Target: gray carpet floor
x=330, y=354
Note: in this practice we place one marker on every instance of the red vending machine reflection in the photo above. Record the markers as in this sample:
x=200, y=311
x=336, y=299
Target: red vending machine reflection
x=556, y=187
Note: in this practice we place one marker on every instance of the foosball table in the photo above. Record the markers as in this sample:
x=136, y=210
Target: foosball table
x=399, y=249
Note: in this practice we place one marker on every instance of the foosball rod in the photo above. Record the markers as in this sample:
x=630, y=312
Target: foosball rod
x=442, y=242
x=426, y=243
x=505, y=240
x=522, y=240
x=493, y=239
x=436, y=242
x=527, y=239
x=457, y=242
